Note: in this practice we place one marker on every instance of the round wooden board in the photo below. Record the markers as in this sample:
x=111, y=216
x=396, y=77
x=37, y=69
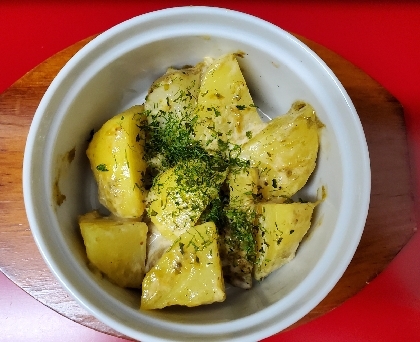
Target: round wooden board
x=390, y=223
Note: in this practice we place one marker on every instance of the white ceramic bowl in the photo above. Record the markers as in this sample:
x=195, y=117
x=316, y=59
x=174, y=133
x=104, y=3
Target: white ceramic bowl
x=112, y=73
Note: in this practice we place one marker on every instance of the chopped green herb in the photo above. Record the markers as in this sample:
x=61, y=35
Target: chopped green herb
x=241, y=232
x=274, y=183
x=181, y=247
x=101, y=167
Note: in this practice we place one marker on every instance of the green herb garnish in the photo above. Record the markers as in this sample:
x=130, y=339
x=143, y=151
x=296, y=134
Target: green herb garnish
x=101, y=167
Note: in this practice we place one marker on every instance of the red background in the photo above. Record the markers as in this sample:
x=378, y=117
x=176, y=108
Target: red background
x=380, y=37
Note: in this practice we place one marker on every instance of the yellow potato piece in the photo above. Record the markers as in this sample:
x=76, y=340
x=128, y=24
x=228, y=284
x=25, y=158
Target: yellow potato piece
x=236, y=242
x=116, y=248
x=175, y=92
x=226, y=110
x=116, y=158
x=285, y=151
x=243, y=188
x=281, y=229
x=188, y=274
x=171, y=107
x=179, y=196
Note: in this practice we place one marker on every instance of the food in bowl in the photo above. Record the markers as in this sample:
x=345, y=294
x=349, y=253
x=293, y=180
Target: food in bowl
x=199, y=188
x=114, y=72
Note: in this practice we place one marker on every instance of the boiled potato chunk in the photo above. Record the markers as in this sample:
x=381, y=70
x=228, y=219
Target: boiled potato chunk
x=188, y=274
x=171, y=108
x=243, y=187
x=281, y=229
x=179, y=196
x=176, y=92
x=115, y=247
x=238, y=246
x=116, y=158
x=285, y=151
x=237, y=243
x=226, y=110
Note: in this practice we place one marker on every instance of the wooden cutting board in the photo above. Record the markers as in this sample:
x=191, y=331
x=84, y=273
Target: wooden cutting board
x=390, y=223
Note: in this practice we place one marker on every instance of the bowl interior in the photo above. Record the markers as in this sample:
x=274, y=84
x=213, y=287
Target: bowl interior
x=112, y=73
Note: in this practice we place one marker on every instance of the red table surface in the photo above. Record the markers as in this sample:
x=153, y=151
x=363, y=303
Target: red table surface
x=380, y=37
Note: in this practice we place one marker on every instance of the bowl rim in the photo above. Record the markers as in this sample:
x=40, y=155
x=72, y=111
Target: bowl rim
x=270, y=326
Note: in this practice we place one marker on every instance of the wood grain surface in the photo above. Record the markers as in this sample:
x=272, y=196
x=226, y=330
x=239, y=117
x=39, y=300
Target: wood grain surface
x=390, y=223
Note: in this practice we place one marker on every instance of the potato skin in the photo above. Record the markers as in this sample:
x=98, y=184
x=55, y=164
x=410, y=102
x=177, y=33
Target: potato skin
x=116, y=158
